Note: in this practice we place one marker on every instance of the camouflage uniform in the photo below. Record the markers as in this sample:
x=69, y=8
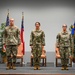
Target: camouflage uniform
x=11, y=38
x=73, y=45
x=37, y=40
x=64, y=43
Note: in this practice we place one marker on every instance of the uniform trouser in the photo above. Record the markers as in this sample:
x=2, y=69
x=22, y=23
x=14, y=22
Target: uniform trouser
x=74, y=51
x=37, y=51
x=64, y=53
x=11, y=50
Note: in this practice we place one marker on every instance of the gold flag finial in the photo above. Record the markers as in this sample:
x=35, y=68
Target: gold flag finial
x=22, y=15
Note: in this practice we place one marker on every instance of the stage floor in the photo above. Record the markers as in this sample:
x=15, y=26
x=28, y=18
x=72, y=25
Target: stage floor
x=50, y=69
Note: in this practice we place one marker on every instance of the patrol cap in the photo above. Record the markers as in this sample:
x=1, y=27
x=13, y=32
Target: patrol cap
x=64, y=25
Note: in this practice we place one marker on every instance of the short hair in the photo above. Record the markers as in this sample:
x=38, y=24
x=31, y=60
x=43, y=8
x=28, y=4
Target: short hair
x=38, y=23
x=11, y=19
x=64, y=25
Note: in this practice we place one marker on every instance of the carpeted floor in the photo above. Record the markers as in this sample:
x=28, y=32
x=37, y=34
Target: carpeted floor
x=27, y=69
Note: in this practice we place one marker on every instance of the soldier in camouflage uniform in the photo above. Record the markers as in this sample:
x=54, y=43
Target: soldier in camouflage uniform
x=63, y=43
x=73, y=43
x=37, y=43
x=11, y=38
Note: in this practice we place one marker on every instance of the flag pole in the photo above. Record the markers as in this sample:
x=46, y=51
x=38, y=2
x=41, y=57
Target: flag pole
x=22, y=15
x=8, y=12
x=22, y=33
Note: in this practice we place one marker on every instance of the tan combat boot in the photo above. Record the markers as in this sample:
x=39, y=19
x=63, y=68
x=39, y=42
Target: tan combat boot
x=62, y=68
x=38, y=67
x=13, y=66
x=35, y=67
x=66, y=67
x=8, y=66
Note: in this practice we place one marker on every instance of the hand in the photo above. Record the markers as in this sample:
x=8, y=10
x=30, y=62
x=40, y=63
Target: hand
x=4, y=48
x=42, y=47
x=70, y=57
x=31, y=47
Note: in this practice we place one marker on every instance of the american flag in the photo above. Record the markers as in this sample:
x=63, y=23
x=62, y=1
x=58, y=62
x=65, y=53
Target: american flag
x=7, y=19
x=22, y=33
x=73, y=30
